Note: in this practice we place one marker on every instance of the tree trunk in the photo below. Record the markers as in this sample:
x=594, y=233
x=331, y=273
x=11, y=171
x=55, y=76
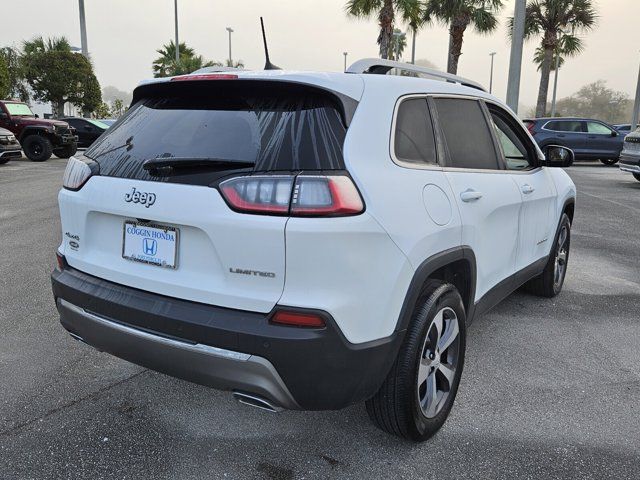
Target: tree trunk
x=413, y=46
x=386, y=30
x=57, y=108
x=545, y=73
x=456, y=36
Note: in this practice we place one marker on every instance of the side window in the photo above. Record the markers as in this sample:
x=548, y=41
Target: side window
x=565, y=126
x=512, y=141
x=598, y=128
x=414, y=140
x=466, y=134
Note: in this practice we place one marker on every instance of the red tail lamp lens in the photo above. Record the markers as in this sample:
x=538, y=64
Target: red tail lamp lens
x=325, y=195
x=298, y=319
x=61, y=261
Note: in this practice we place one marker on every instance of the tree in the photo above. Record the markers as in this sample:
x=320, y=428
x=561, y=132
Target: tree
x=398, y=43
x=17, y=82
x=596, y=100
x=459, y=15
x=166, y=66
x=102, y=111
x=232, y=64
x=551, y=19
x=386, y=11
x=55, y=74
x=118, y=108
x=5, y=86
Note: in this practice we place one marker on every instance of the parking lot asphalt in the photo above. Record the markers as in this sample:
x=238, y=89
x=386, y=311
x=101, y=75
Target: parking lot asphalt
x=551, y=388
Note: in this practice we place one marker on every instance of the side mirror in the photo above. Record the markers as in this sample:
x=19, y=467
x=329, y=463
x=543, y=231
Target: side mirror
x=614, y=133
x=557, y=156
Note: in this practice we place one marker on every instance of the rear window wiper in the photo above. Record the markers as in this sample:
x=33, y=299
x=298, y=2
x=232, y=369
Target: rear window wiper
x=165, y=165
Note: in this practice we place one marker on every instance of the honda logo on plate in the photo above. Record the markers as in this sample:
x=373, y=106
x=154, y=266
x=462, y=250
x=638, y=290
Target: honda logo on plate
x=149, y=246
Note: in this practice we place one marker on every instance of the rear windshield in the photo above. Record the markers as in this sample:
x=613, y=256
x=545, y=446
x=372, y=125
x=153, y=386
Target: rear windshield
x=274, y=130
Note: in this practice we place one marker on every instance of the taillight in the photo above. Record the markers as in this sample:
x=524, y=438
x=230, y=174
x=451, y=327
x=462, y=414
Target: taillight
x=62, y=262
x=302, y=195
x=298, y=319
x=77, y=173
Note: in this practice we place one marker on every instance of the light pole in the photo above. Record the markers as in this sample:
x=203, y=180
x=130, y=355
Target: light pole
x=555, y=84
x=398, y=38
x=230, y=30
x=492, y=54
x=515, y=61
x=345, y=60
x=636, y=107
x=175, y=3
x=83, y=30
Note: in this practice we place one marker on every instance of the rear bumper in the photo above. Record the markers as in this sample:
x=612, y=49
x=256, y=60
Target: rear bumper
x=214, y=367
x=294, y=368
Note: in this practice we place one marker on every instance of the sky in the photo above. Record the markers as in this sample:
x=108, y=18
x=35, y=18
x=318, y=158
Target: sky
x=123, y=36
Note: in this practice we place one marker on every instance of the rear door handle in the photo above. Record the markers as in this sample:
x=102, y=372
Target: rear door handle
x=527, y=189
x=470, y=195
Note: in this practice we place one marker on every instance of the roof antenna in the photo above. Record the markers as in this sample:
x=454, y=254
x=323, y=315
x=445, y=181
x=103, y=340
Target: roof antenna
x=268, y=65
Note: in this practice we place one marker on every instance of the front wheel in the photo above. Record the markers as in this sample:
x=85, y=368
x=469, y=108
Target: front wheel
x=37, y=148
x=609, y=161
x=416, y=397
x=636, y=176
x=66, y=151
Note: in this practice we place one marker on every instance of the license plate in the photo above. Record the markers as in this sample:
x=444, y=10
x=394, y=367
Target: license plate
x=150, y=243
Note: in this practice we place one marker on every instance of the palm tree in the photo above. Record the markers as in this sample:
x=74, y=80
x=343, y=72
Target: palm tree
x=551, y=19
x=40, y=45
x=460, y=14
x=165, y=65
x=398, y=43
x=386, y=11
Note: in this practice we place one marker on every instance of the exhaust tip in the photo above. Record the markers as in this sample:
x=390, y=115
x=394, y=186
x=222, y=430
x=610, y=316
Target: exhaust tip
x=256, y=401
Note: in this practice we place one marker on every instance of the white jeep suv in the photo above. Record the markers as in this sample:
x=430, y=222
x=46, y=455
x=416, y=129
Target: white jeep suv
x=309, y=240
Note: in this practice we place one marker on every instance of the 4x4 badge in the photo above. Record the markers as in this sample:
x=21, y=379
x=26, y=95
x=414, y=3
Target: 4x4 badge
x=145, y=198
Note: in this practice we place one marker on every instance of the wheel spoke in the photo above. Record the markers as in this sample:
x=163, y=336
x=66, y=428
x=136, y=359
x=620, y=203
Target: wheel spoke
x=437, y=322
x=431, y=396
x=423, y=371
x=449, y=335
x=448, y=372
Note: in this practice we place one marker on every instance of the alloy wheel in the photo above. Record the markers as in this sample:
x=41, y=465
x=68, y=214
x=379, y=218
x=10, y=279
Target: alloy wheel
x=562, y=255
x=438, y=362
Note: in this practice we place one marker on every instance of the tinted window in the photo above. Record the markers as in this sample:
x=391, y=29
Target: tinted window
x=275, y=130
x=598, y=128
x=466, y=134
x=565, y=126
x=512, y=141
x=414, y=139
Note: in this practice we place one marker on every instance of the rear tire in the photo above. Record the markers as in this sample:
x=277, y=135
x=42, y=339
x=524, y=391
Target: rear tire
x=549, y=282
x=636, y=176
x=418, y=393
x=37, y=148
x=609, y=161
x=66, y=151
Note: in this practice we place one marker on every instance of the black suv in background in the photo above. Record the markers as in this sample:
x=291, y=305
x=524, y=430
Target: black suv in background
x=87, y=129
x=588, y=138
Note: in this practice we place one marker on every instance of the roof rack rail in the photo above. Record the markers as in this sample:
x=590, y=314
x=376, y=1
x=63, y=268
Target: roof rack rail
x=381, y=66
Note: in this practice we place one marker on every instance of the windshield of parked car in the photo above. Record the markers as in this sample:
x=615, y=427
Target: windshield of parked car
x=19, y=109
x=97, y=123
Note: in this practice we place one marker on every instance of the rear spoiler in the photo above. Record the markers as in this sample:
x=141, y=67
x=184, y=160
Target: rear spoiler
x=206, y=83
